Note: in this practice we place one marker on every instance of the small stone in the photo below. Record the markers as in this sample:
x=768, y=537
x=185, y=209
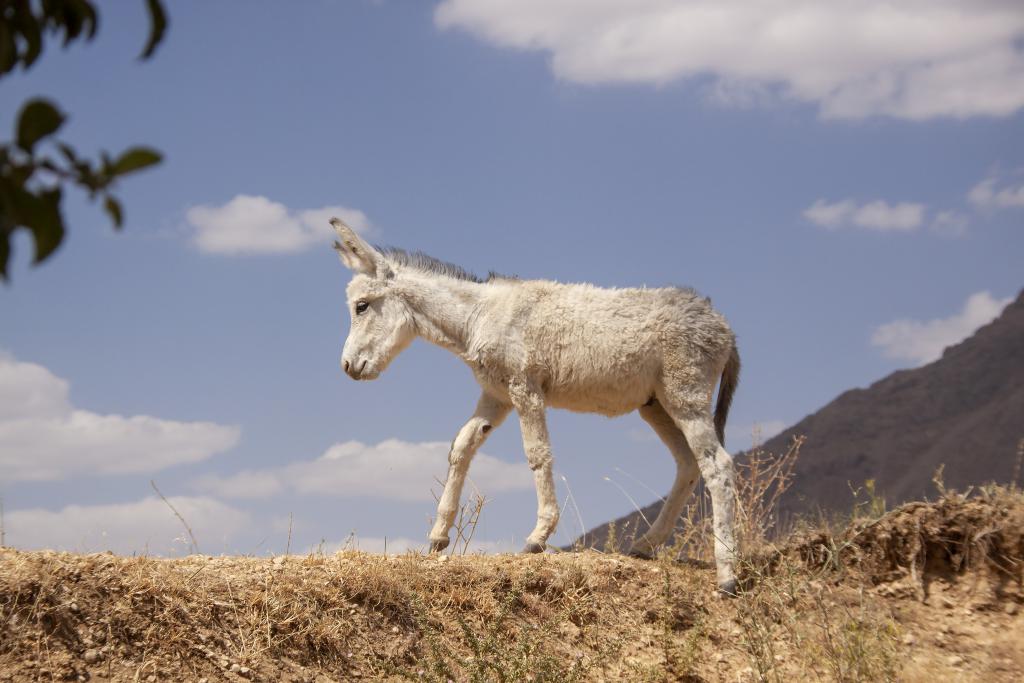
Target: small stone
x=442, y=558
x=91, y=656
x=203, y=680
x=1011, y=608
x=955, y=660
x=234, y=668
x=244, y=671
x=151, y=678
x=909, y=639
x=394, y=629
x=73, y=607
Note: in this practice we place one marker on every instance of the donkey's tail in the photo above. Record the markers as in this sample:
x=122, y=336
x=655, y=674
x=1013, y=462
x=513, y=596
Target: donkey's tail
x=727, y=387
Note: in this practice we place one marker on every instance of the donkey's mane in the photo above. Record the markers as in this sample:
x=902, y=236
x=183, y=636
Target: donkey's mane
x=417, y=260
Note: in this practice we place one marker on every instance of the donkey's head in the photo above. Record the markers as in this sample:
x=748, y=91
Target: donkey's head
x=382, y=324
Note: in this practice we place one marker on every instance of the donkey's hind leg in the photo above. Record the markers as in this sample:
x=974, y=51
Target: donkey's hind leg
x=693, y=417
x=686, y=478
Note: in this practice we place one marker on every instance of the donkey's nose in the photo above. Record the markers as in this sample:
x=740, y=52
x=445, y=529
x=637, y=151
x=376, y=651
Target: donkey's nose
x=344, y=366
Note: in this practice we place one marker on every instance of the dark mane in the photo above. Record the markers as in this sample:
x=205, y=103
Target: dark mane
x=428, y=264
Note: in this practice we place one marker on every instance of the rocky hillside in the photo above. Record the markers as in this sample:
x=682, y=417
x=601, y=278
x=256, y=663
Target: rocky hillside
x=964, y=411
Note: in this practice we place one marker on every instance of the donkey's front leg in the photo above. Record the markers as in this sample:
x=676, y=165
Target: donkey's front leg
x=529, y=403
x=489, y=414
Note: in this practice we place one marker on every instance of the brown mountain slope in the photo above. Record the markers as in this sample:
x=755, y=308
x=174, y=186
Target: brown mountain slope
x=964, y=411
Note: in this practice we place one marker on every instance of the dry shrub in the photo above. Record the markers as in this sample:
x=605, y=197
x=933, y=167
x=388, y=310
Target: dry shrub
x=982, y=529
x=791, y=616
x=807, y=610
x=347, y=615
x=761, y=480
x=787, y=615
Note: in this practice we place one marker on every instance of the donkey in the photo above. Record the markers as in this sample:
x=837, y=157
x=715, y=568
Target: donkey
x=535, y=344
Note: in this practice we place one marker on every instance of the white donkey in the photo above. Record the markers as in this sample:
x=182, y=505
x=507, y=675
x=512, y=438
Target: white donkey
x=535, y=344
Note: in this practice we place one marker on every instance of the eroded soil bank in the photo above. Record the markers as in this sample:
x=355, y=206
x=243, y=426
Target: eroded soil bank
x=929, y=592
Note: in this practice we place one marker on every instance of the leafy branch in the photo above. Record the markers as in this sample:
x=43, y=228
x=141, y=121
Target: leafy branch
x=35, y=168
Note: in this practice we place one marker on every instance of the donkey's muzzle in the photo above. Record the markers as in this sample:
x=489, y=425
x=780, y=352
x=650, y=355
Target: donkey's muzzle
x=353, y=370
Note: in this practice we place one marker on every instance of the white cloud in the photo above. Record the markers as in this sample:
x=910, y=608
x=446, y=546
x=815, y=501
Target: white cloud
x=145, y=526
x=28, y=390
x=831, y=216
x=950, y=223
x=392, y=469
x=987, y=195
x=876, y=215
x=915, y=59
x=43, y=437
x=256, y=225
x=923, y=341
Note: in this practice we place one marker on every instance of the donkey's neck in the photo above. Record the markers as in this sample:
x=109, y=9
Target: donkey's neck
x=444, y=309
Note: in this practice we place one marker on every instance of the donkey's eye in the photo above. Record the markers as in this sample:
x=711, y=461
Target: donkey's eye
x=361, y=307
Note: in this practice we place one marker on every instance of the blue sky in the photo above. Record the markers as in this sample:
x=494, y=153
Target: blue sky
x=846, y=188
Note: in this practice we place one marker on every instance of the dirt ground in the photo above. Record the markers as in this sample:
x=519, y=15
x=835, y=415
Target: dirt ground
x=929, y=592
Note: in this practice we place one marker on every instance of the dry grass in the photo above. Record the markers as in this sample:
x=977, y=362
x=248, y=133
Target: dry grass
x=883, y=599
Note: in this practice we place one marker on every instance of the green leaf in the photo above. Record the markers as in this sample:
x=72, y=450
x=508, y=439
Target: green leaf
x=157, y=27
x=38, y=118
x=86, y=16
x=48, y=229
x=19, y=174
x=106, y=164
x=113, y=208
x=8, y=51
x=40, y=213
x=135, y=159
x=78, y=14
x=7, y=225
x=28, y=26
x=69, y=153
x=5, y=254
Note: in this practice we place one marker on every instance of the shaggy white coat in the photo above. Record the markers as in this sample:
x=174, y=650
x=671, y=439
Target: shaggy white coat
x=537, y=344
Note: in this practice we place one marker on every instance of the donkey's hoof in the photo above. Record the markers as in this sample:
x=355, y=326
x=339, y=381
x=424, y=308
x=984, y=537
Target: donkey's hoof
x=437, y=546
x=728, y=589
x=642, y=551
x=533, y=548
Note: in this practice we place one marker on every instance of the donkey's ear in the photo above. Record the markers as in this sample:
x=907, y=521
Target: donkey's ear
x=356, y=254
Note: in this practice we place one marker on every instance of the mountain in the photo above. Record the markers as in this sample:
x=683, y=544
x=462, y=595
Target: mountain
x=964, y=411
